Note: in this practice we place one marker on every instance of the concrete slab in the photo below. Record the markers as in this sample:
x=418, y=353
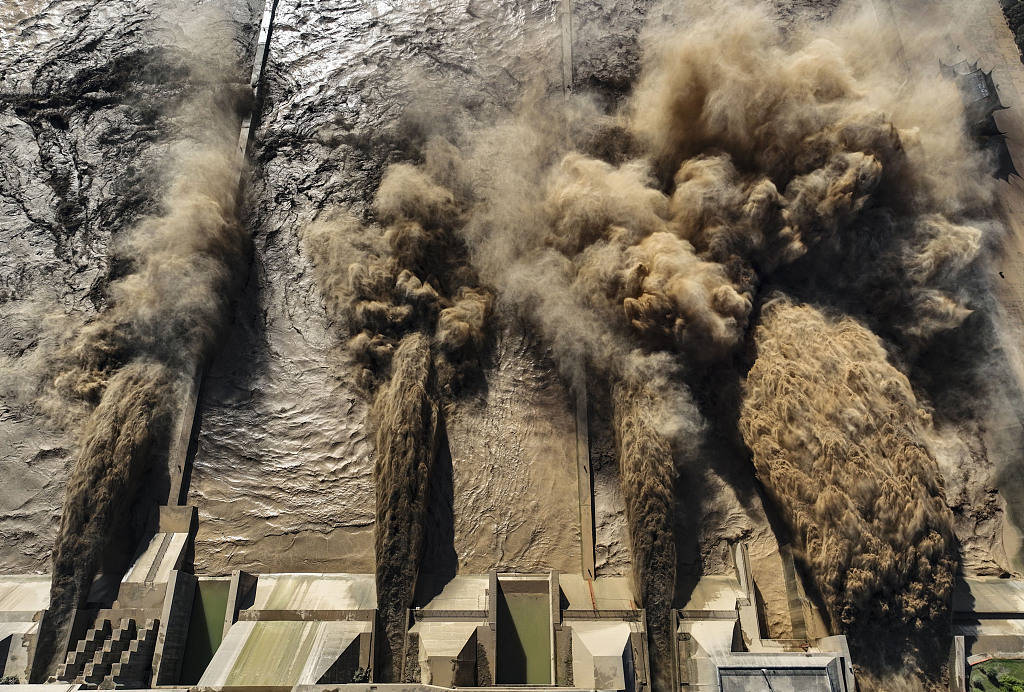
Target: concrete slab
x=781, y=680
x=444, y=638
x=988, y=595
x=602, y=638
x=601, y=656
x=447, y=652
x=603, y=593
x=463, y=592
x=576, y=591
x=163, y=554
x=990, y=628
x=21, y=598
x=12, y=638
x=614, y=593
x=316, y=592
x=279, y=653
x=715, y=592
x=24, y=592
x=713, y=637
x=15, y=628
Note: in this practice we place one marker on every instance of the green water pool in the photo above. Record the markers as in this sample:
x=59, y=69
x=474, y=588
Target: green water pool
x=205, y=629
x=524, y=639
x=997, y=675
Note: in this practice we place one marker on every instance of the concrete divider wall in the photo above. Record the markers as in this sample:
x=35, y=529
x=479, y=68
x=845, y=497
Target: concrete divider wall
x=486, y=649
x=957, y=665
x=241, y=594
x=169, y=653
x=81, y=621
x=563, y=657
x=411, y=661
x=250, y=615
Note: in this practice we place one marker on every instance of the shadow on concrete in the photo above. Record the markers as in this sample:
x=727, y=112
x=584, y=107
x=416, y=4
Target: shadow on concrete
x=440, y=561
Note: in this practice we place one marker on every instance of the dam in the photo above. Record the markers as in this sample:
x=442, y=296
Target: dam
x=471, y=375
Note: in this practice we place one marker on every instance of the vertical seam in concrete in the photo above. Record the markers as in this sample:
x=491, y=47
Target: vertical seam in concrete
x=585, y=486
x=161, y=553
x=565, y=25
x=181, y=441
x=582, y=433
x=798, y=624
x=179, y=448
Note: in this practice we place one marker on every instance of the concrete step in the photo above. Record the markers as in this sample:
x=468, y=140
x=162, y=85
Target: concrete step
x=95, y=672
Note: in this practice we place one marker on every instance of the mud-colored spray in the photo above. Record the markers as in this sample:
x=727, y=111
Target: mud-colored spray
x=838, y=440
x=405, y=417
x=415, y=321
x=648, y=472
x=744, y=157
x=123, y=373
x=638, y=244
x=123, y=432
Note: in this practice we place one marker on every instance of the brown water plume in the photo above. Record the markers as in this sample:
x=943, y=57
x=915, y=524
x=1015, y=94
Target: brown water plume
x=124, y=431
x=648, y=472
x=405, y=417
x=416, y=323
x=828, y=160
x=838, y=440
x=745, y=157
x=119, y=378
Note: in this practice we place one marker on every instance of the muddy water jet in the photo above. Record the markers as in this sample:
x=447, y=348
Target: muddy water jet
x=415, y=321
x=121, y=375
x=639, y=243
x=838, y=439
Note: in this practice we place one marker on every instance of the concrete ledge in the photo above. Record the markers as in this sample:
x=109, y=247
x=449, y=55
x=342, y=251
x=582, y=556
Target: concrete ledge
x=585, y=485
x=175, y=615
x=627, y=615
x=178, y=519
x=957, y=666
x=252, y=615
x=707, y=614
x=140, y=615
x=987, y=615
x=20, y=615
x=241, y=594
x=422, y=614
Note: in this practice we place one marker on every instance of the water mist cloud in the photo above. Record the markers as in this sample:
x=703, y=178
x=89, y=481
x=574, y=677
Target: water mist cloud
x=640, y=244
x=123, y=373
x=838, y=439
x=416, y=320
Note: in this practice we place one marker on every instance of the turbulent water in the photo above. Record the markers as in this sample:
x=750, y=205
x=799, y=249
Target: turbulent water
x=640, y=245
x=88, y=106
x=561, y=214
x=840, y=442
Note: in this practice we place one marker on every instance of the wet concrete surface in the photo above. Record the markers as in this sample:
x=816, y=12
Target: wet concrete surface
x=283, y=457
x=516, y=502
x=283, y=468
x=87, y=95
